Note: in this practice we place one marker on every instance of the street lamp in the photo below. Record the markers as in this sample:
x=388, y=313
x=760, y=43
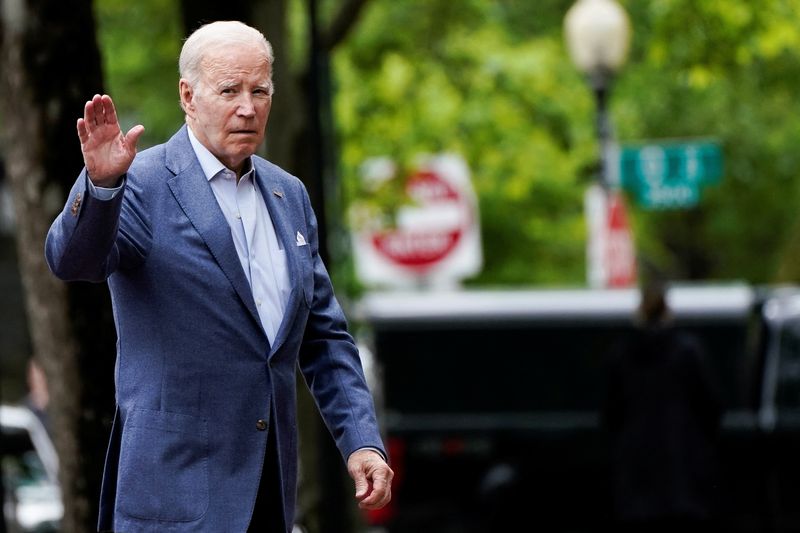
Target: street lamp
x=598, y=34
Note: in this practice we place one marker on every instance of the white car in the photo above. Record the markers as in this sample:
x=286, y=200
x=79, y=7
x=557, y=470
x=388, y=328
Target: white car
x=30, y=473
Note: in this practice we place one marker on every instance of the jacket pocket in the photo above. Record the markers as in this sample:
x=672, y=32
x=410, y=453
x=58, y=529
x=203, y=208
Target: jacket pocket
x=163, y=469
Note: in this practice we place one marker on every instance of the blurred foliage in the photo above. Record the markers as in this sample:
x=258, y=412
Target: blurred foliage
x=140, y=43
x=471, y=77
x=491, y=81
x=726, y=69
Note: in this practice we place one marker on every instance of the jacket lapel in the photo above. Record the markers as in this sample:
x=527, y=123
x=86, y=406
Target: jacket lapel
x=193, y=193
x=274, y=196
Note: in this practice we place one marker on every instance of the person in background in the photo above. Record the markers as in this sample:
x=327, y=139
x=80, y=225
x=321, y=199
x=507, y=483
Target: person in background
x=38, y=396
x=219, y=294
x=663, y=412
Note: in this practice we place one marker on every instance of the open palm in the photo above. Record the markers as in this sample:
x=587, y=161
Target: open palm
x=107, y=153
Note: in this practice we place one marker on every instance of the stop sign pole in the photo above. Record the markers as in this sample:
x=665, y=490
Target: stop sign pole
x=611, y=254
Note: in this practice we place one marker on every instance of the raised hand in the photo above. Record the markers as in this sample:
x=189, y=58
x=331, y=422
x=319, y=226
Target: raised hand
x=107, y=153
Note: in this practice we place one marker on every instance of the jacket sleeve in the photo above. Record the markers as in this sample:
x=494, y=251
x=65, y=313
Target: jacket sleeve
x=91, y=238
x=331, y=365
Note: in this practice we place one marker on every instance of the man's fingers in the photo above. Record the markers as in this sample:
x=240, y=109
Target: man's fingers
x=132, y=137
x=362, y=487
x=99, y=111
x=109, y=111
x=376, y=500
x=381, y=492
x=83, y=135
x=379, y=482
x=89, y=114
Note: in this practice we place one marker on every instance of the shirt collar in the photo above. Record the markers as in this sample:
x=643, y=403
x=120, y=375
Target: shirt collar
x=208, y=162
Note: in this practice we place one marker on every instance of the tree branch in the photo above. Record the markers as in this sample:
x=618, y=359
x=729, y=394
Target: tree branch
x=342, y=23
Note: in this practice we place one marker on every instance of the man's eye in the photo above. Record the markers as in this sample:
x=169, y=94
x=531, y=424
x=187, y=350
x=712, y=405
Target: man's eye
x=228, y=91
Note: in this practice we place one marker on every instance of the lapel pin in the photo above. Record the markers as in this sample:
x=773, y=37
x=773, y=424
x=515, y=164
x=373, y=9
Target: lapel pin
x=76, y=205
x=277, y=193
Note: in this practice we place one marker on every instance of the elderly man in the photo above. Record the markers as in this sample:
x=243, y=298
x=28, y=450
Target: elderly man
x=219, y=294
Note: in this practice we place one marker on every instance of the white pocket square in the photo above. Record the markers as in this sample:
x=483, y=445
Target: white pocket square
x=301, y=241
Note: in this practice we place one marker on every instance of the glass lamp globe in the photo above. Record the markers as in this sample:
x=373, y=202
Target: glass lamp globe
x=598, y=36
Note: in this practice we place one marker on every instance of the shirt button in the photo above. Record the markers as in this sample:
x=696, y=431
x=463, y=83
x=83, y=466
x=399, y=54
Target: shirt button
x=239, y=216
x=261, y=425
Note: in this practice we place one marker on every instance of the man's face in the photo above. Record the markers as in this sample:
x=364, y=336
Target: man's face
x=229, y=107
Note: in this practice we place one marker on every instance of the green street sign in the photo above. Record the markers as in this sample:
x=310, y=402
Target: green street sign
x=664, y=175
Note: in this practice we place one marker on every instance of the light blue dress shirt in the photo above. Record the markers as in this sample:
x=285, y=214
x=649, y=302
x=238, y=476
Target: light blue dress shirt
x=260, y=253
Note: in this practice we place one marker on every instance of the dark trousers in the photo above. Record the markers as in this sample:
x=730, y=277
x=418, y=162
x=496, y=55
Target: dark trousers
x=268, y=513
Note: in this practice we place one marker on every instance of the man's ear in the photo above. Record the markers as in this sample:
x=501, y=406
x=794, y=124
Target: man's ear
x=187, y=96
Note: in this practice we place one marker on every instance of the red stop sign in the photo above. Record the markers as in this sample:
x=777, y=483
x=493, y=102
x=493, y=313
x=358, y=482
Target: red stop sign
x=421, y=248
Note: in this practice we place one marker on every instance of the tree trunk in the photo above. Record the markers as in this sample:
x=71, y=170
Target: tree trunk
x=195, y=13
x=51, y=66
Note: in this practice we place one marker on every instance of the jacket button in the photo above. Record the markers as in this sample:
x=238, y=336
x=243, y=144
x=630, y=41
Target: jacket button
x=261, y=425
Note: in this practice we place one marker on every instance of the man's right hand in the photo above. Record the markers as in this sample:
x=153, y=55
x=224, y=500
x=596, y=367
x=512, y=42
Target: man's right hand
x=107, y=153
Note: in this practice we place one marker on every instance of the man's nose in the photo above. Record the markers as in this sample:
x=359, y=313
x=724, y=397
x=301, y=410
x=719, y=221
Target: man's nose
x=246, y=107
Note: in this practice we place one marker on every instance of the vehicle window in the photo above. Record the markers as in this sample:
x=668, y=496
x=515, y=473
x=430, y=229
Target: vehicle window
x=21, y=464
x=789, y=370
x=490, y=368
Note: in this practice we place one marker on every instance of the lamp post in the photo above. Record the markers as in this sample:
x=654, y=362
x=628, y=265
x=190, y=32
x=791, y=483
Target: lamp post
x=598, y=34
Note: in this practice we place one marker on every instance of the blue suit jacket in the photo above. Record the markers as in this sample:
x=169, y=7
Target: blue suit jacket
x=196, y=377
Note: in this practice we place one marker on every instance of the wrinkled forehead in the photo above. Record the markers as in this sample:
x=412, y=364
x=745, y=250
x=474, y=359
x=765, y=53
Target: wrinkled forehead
x=233, y=60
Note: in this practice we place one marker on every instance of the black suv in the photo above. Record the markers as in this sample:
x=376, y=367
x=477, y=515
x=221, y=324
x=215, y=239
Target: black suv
x=491, y=403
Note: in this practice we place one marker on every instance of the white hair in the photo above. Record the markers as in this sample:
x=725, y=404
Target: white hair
x=213, y=35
